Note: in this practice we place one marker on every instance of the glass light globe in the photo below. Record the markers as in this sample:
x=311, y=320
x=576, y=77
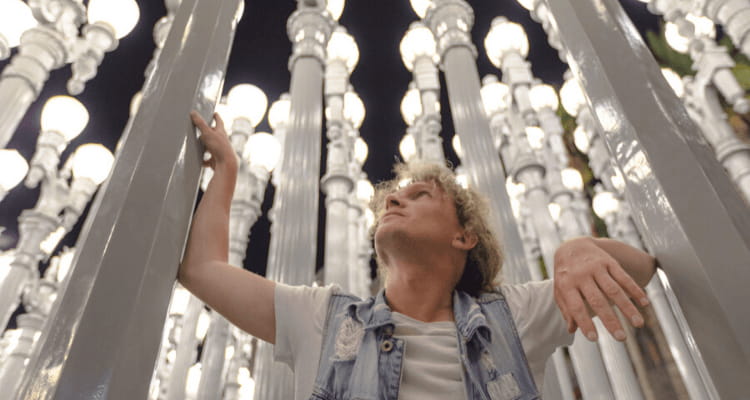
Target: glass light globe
x=360, y=150
x=365, y=191
x=456, y=143
x=572, y=179
x=495, y=97
x=417, y=42
x=135, y=102
x=354, y=109
x=572, y=96
x=204, y=321
x=278, y=114
x=121, y=15
x=702, y=27
x=66, y=115
x=247, y=384
x=411, y=106
x=180, y=299
x=543, y=96
x=527, y=4
x=14, y=168
x=263, y=149
x=335, y=8
x=605, y=203
x=247, y=101
x=554, y=211
x=674, y=80
x=504, y=37
x=226, y=114
x=92, y=161
x=407, y=147
x=369, y=218
x=15, y=19
x=420, y=7
x=342, y=46
x=535, y=136
x=581, y=139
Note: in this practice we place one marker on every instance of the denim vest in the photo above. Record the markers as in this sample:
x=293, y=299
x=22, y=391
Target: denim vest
x=360, y=358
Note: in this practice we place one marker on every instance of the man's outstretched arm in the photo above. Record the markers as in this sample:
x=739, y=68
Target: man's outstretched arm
x=592, y=274
x=244, y=298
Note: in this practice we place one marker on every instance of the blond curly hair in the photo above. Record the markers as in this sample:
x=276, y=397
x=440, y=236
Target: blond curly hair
x=484, y=262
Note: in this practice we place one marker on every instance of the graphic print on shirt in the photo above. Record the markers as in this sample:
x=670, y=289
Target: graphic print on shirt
x=348, y=340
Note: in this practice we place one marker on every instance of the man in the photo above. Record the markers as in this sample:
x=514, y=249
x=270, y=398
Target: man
x=442, y=328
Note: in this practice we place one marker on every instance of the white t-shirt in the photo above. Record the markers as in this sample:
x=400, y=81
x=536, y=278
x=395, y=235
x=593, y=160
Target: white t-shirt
x=301, y=313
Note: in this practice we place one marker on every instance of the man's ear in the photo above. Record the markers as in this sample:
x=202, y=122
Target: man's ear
x=465, y=240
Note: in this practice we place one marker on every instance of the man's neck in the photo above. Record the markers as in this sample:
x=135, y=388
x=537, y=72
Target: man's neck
x=420, y=293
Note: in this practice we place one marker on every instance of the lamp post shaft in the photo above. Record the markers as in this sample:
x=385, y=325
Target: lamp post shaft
x=128, y=253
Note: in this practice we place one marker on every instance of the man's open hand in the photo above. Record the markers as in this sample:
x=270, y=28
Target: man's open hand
x=589, y=280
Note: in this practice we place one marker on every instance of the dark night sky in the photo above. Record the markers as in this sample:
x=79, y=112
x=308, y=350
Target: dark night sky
x=259, y=56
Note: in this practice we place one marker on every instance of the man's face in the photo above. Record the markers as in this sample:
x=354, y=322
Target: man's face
x=419, y=215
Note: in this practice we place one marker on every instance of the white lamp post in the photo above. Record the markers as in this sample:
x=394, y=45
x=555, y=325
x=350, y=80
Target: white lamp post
x=108, y=21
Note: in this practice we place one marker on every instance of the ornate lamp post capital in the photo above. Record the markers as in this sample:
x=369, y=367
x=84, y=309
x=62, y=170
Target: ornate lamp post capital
x=451, y=22
x=309, y=29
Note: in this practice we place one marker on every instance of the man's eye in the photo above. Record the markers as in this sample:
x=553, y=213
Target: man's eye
x=421, y=193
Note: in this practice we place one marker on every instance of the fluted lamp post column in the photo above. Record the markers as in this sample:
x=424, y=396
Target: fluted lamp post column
x=337, y=183
x=63, y=119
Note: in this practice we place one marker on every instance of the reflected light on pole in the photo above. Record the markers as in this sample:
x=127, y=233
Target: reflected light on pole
x=456, y=143
x=120, y=15
x=675, y=81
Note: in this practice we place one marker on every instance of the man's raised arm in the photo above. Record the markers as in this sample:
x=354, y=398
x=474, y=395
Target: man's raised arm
x=244, y=298
x=592, y=274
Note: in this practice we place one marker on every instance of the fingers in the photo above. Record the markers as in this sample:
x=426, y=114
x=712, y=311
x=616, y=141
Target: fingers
x=219, y=122
x=578, y=314
x=199, y=122
x=600, y=305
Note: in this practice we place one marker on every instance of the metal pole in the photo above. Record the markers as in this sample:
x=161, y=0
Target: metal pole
x=688, y=213
x=130, y=247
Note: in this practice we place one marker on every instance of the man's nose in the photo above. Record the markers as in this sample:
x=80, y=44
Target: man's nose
x=392, y=200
